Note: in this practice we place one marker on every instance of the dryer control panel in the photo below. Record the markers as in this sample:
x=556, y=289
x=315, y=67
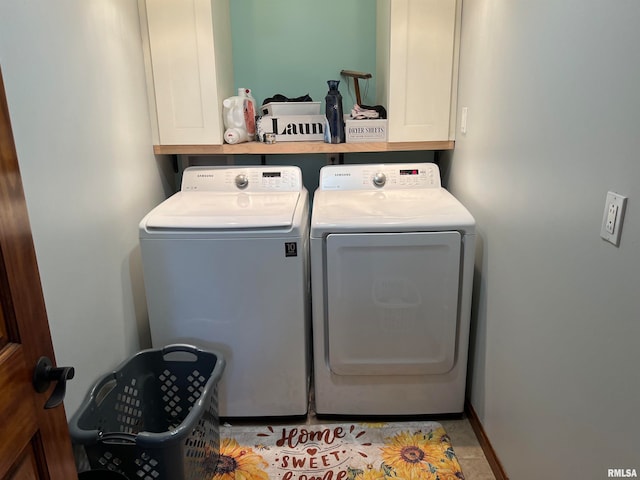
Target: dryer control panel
x=381, y=176
x=242, y=179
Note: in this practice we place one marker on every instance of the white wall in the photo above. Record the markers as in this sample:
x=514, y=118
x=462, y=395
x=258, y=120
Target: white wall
x=74, y=76
x=553, y=91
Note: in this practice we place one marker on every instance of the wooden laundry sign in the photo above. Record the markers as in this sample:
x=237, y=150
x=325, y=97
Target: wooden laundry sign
x=292, y=128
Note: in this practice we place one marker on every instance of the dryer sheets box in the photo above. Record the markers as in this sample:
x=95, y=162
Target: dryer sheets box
x=358, y=131
x=292, y=128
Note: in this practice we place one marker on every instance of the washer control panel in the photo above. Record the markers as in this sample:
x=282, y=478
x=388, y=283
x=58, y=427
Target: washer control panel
x=382, y=176
x=242, y=179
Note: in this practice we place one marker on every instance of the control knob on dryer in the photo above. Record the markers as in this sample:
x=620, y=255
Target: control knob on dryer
x=242, y=181
x=379, y=179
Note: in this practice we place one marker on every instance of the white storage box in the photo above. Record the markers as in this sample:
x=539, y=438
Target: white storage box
x=290, y=108
x=292, y=128
x=359, y=131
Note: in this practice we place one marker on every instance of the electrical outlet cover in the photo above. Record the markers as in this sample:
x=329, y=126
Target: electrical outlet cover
x=612, y=218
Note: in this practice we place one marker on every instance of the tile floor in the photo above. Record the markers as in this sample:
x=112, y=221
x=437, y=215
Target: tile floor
x=470, y=455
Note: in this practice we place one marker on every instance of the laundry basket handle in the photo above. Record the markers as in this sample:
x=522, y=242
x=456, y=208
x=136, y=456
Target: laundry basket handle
x=118, y=438
x=180, y=347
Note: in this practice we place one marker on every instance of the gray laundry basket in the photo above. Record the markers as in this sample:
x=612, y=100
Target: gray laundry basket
x=155, y=417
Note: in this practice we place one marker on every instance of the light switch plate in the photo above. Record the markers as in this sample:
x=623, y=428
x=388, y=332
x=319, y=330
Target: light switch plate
x=463, y=121
x=613, y=217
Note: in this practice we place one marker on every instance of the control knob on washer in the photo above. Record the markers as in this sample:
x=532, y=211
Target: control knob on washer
x=242, y=181
x=379, y=179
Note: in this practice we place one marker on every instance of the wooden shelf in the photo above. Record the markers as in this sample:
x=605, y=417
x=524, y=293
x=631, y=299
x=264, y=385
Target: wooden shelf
x=283, y=148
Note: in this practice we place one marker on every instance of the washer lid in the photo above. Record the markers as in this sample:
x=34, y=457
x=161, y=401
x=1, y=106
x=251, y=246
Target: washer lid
x=388, y=210
x=225, y=210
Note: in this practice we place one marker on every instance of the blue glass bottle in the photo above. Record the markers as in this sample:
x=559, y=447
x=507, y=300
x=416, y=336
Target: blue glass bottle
x=333, y=111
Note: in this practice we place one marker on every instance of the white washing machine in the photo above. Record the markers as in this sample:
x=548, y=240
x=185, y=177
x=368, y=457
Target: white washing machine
x=225, y=264
x=392, y=257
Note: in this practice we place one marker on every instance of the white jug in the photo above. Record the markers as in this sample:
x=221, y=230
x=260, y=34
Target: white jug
x=239, y=115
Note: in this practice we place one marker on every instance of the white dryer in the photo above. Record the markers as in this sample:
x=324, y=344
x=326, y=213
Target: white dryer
x=392, y=256
x=225, y=264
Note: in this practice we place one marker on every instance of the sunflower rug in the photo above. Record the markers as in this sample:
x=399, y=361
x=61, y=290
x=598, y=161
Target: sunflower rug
x=346, y=451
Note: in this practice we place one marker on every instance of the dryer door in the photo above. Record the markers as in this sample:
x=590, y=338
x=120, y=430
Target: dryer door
x=392, y=302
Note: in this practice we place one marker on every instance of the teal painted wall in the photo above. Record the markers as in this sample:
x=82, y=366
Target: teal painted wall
x=293, y=47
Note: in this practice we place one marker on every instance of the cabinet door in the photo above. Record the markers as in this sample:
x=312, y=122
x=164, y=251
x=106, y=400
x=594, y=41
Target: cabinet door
x=417, y=67
x=192, y=71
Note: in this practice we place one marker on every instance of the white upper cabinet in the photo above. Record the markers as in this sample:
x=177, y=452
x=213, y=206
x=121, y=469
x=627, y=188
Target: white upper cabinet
x=189, y=68
x=416, y=67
